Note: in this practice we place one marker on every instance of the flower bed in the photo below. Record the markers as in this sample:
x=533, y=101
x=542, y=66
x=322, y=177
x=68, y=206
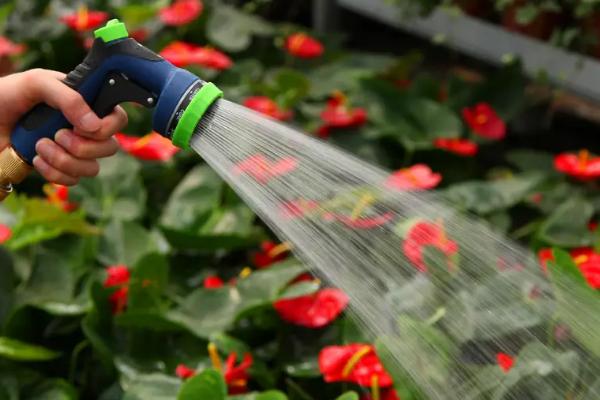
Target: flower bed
x=154, y=280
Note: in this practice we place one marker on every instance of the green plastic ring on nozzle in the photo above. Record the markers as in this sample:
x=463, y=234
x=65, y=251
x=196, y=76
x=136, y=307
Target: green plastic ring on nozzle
x=206, y=96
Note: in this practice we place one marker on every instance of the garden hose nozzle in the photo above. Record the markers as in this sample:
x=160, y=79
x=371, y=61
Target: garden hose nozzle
x=117, y=69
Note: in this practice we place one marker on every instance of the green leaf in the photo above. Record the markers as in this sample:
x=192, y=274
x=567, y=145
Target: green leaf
x=52, y=284
x=577, y=302
x=16, y=350
x=124, y=242
x=348, y=396
x=300, y=289
x=489, y=197
x=419, y=350
x=206, y=312
x=207, y=385
x=148, y=282
x=567, y=225
x=286, y=86
x=134, y=15
x=531, y=160
x=527, y=13
x=37, y=220
x=346, y=73
x=269, y=395
x=498, y=306
x=232, y=29
x=193, y=200
x=117, y=192
x=413, y=121
x=152, y=386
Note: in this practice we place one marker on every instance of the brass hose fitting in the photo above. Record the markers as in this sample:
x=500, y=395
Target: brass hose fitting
x=13, y=170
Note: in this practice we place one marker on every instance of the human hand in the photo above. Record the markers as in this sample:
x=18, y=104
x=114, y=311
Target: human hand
x=74, y=152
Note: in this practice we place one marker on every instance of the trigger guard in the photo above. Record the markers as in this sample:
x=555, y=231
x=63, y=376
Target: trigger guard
x=118, y=88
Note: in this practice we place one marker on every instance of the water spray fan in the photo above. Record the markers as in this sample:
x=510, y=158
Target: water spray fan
x=117, y=69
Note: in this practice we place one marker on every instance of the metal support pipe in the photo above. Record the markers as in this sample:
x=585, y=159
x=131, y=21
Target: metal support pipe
x=324, y=15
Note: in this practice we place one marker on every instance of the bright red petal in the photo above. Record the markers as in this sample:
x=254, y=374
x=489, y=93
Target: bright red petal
x=313, y=311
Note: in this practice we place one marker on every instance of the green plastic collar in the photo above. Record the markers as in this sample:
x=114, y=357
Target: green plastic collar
x=206, y=96
x=113, y=30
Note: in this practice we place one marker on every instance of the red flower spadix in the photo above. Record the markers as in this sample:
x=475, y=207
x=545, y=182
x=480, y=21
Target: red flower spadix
x=268, y=107
x=152, y=147
x=462, y=147
x=236, y=376
x=302, y=45
x=357, y=363
x=84, y=20
x=313, y=310
x=181, y=12
x=424, y=234
x=417, y=177
x=483, y=120
x=183, y=54
x=580, y=166
x=264, y=170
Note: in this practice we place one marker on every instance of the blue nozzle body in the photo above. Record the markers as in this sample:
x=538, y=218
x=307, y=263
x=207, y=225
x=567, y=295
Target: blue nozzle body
x=117, y=69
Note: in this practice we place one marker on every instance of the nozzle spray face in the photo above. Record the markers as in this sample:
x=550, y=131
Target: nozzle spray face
x=191, y=110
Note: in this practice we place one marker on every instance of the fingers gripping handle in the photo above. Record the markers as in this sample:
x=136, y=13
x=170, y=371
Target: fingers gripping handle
x=118, y=69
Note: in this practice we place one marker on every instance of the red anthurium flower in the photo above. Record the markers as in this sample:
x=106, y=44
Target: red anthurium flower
x=184, y=372
x=386, y=394
x=84, y=19
x=297, y=208
x=427, y=234
x=152, y=147
x=213, y=282
x=8, y=48
x=118, y=277
x=303, y=46
x=580, y=166
x=505, y=361
x=59, y=196
x=314, y=310
x=588, y=262
x=183, y=54
x=339, y=114
x=237, y=376
x=545, y=255
x=181, y=12
x=266, y=106
x=417, y=177
x=5, y=233
x=462, y=147
x=592, y=226
x=484, y=121
x=357, y=363
x=271, y=253
x=263, y=170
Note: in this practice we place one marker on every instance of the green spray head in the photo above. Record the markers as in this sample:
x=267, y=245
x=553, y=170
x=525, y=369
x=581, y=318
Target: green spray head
x=193, y=113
